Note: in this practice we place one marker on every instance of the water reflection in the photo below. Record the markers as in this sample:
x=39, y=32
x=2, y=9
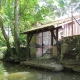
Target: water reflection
x=19, y=76
x=17, y=72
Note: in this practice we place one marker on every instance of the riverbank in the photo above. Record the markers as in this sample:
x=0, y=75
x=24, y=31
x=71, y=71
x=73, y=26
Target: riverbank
x=17, y=72
x=48, y=64
x=72, y=65
x=53, y=65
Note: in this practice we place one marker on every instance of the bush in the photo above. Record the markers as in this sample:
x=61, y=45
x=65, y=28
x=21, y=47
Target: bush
x=21, y=56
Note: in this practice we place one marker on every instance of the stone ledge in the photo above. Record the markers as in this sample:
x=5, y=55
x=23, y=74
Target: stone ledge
x=45, y=64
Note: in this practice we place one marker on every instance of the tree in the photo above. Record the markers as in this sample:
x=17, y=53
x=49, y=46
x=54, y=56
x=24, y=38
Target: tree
x=16, y=39
x=20, y=15
x=4, y=33
x=64, y=7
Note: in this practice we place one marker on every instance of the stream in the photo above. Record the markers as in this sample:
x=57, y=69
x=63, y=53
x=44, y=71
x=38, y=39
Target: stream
x=9, y=71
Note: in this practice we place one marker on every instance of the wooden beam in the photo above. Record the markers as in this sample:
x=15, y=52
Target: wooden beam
x=30, y=37
x=40, y=30
x=57, y=40
x=42, y=43
x=56, y=35
x=27, y=55
x=72, y=18
x=52, y=37
x=51, y=52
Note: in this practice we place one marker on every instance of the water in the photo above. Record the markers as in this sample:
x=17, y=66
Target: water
x=16, y=72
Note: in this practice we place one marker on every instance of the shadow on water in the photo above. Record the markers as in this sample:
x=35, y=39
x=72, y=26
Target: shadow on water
x=10, y=71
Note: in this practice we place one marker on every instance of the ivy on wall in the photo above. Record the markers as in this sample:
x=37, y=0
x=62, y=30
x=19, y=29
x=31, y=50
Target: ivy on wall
x=73, y=49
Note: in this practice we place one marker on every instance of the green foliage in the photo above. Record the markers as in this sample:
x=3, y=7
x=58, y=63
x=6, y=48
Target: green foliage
x=2, y=51
x=15, y=57
x=30, y=12
x=73, y=49
x=73, y=43
x=61, y=3
x=2, y=41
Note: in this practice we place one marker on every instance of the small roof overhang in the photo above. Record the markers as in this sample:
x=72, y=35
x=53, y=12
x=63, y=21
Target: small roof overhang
x=42, y=28
x=48, y=27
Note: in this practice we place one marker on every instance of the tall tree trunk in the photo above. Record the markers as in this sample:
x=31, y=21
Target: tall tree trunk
x=16, y=40
x=6, y=38
x=4, y=34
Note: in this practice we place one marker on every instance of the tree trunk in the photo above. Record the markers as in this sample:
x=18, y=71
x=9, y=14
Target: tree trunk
x=16, y=40
x=4, y=34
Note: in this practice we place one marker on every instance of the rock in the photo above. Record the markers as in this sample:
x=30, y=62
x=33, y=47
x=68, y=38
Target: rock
x=58, y=67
